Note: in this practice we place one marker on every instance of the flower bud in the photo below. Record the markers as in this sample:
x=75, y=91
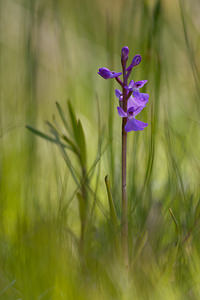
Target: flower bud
x=124, y=55
x=136, y=60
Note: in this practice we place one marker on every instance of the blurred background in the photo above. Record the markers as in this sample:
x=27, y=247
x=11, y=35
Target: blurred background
x=50, y=51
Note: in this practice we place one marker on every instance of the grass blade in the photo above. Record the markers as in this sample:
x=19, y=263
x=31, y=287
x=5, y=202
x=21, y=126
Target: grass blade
x=45, y=136
x=113, y=214
x=62, y=116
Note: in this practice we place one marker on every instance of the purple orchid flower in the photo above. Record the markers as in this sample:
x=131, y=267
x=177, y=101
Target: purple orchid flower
x=135, y=86
x=140, y=98
x=106, y=73
x=133, y=109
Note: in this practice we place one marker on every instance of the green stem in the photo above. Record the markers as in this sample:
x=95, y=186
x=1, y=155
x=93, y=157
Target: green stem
x=124, y=220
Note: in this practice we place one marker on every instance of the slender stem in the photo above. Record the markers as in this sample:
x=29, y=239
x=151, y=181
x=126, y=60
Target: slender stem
x=119, y=81
x=124, y=229
x=124, y=220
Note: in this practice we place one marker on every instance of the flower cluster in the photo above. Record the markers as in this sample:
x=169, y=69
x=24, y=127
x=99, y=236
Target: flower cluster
x=131, y=101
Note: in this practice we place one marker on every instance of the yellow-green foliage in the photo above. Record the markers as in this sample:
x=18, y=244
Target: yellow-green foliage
x=59, y=232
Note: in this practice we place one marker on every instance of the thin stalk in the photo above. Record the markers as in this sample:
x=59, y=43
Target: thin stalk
x=124, y=220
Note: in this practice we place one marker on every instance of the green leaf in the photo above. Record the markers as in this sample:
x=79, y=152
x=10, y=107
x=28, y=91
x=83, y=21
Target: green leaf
x=73, y=121
x=62, y=116
x=70, y=142
x=78, y=134
x=82, y=143
x=64, y=154
x=41, y=134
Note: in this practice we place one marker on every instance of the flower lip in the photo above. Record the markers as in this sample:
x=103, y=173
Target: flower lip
x=135, y=125
x=106, y=73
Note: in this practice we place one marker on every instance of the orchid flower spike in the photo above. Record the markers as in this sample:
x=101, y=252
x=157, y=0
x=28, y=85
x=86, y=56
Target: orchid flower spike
x=131, y=100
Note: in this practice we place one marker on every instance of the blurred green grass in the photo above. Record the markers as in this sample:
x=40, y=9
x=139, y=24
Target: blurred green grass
x=50, y=51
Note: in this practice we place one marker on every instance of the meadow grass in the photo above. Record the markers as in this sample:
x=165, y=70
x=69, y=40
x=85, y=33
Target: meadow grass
x=59, y=215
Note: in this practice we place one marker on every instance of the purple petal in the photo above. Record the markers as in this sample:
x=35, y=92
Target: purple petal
x=131, y=103
x=106, y=73
x=134, y=125
x=139, y=84
x=141, y=98
x=130, y=87
x=118, y=93
x=121, y=112
x=127, y=88
x=134, y=110
x=114, y=74
x=136, y=60
x=135, y=103
x=131, y=84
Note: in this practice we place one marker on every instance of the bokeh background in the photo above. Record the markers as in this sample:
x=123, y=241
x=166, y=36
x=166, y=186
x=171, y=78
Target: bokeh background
x=50, y=51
